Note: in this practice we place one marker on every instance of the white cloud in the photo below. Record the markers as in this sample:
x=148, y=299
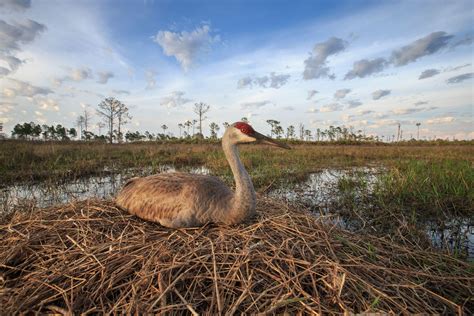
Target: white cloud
x=257, y=104
x=428, y=73
x=365, y=67
x=440, y=120
x=457, y=67
x=6, y=107
x=150, y=79
x=380, y=94
x=5, y=119
x=121, y=92
x=420, y=103
x=46, y=103
x=424, y=46
x=353, y=104
x=331, y=107
x=74, y=74
x=271, y=81
x=341, y=93
x=245, y=82
x=277, y=81
x=104, y=76
x=364, y=112
x=347, y=117
x=175, y=99
x=17, y=5
x=13, y=35
x=186, y=47
x=311, y=94
x=4, y=71
x=315, y=65
x=12, y=62
x=79, y=74
x=467, y=40
x=21, y=88
x=384, y=122
x=405, y=111
x=460, y=78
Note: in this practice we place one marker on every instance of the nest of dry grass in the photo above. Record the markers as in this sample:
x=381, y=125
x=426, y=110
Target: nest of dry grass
x=92, y=257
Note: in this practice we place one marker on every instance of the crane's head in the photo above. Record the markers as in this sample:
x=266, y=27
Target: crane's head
x=241, y=132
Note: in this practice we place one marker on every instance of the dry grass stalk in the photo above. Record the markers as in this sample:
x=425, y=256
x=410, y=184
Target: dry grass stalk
x=91, y=257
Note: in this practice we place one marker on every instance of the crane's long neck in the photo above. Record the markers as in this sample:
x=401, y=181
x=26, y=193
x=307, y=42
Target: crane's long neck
x=243, y=203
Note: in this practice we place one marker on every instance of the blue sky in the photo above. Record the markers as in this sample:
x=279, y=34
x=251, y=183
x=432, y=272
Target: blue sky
x=363, y=64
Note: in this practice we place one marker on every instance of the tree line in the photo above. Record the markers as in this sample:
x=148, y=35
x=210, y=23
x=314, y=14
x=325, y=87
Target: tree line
x=115, y=115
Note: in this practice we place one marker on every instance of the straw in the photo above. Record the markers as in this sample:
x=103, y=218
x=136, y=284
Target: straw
x=91, y=257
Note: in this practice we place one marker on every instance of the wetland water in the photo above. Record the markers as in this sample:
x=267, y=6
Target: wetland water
x=321, y=193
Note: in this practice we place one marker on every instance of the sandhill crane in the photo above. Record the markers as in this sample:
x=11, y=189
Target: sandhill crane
x=188, y=200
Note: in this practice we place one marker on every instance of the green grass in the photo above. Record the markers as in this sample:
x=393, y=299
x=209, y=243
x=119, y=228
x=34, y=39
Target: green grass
x=430, y=188
x=25, y=161
x=408, y=196
x=417, y=189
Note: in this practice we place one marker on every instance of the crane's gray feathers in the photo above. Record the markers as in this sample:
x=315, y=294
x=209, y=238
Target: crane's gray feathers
x=176, y=199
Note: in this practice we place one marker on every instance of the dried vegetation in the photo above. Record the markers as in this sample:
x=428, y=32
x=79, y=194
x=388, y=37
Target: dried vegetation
x=92, y=257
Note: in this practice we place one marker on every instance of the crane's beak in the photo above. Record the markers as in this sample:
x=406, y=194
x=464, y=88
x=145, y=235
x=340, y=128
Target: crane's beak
x=270, y=141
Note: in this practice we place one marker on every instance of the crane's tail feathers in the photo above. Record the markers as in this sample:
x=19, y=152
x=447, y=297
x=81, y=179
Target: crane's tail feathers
x=130, y=181
x=121, y=196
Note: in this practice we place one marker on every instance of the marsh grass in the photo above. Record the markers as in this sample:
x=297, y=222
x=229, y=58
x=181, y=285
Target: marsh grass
x=429, y=188
x=408, y=199
x=420, y=189
x=26, y=161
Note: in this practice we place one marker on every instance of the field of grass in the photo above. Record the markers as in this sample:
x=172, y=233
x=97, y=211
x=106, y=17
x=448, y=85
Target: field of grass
x=23, y=161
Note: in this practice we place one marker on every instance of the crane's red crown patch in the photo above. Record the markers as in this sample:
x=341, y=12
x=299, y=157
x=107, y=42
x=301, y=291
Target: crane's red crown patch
x=244, y=128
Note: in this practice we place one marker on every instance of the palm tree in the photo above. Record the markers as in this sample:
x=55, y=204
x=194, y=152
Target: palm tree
x=188, y=125
x=290, y=132
x=418, y=133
